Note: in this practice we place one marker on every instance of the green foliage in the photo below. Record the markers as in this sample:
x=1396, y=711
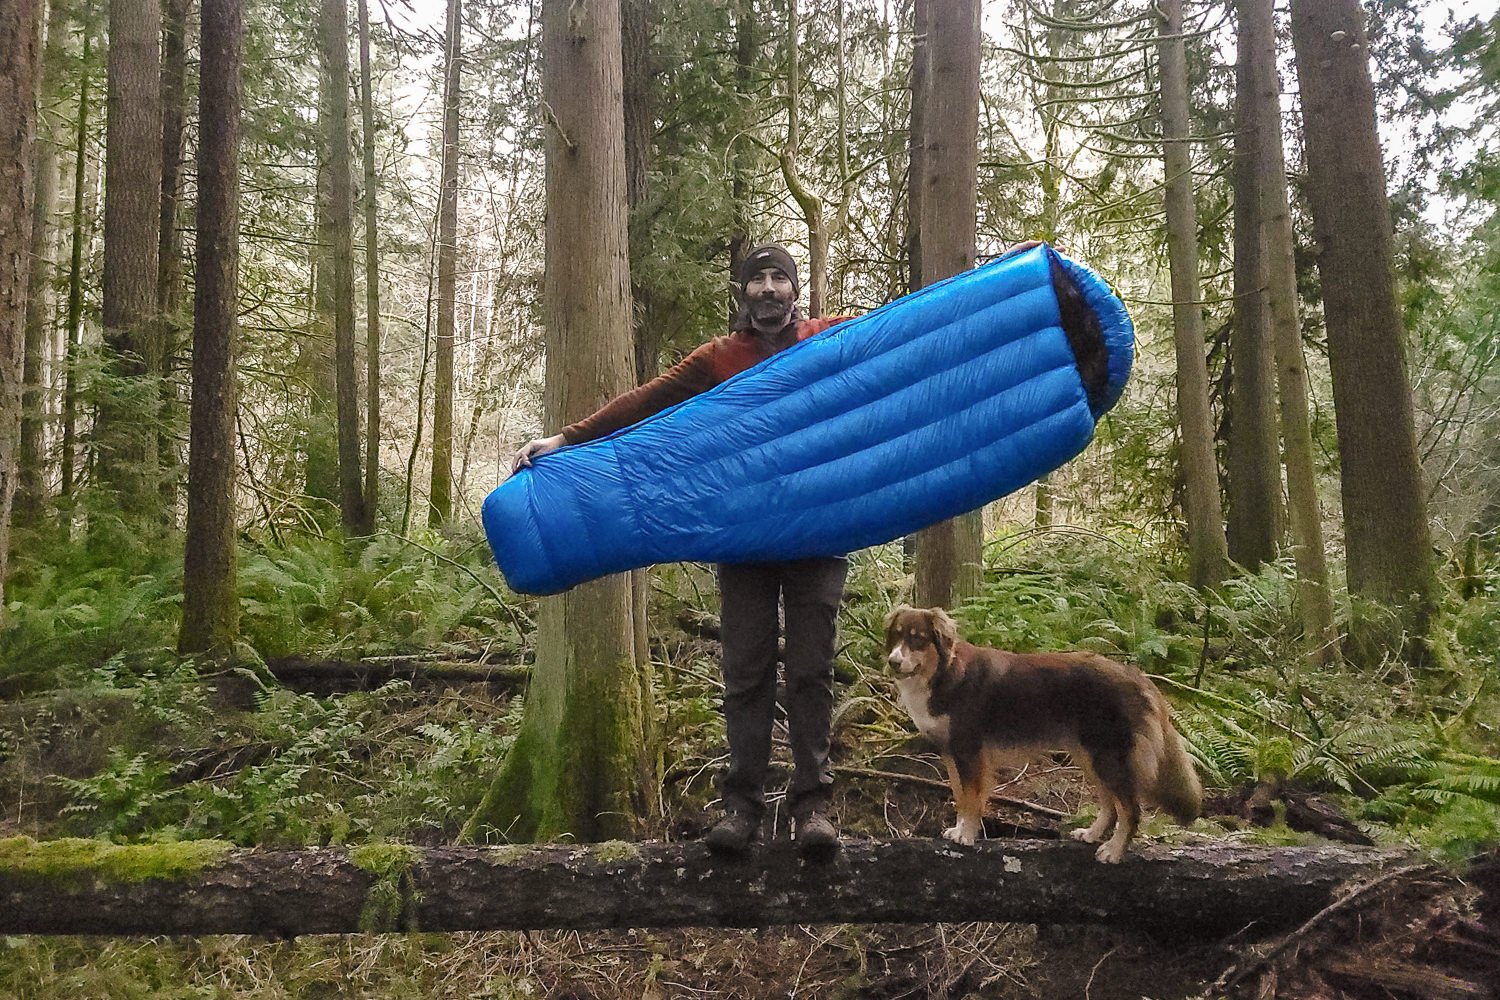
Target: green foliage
x=69, y=861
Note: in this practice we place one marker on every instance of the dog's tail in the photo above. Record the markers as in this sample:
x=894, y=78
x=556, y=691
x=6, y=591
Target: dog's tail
x=1178, y=790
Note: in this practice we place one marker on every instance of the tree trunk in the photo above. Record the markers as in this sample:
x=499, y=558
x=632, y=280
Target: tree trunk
x=1387, y=536
x=210, y=609
x=580, y=761
x=316, y=354
x=85, y=887
x=31, y=479
x=372, y=277
x=74, y=331
x=1207, y=548
x=1314, y=596
x=173, y=122
x=916, y=144
x=20, y=40
x=739, y=188
x=1253, y=527
x=440, y=500
x=810, y=204
x=335, y=51
x=949, y=555
x=125, y=429
x=169, y=246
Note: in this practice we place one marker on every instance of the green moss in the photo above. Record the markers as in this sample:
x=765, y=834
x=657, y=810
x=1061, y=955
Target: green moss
x=506, y=854
x=616, y=850
x=393, y=892
x=74, y=860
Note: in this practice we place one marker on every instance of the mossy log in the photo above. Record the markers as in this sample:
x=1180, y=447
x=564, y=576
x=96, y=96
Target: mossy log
x=329, y=676
x=72, y=887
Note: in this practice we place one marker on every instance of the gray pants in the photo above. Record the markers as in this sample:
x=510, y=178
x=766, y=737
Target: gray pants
x=749, y=593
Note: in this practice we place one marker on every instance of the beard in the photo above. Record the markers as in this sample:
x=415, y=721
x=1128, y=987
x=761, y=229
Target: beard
x=770, y=309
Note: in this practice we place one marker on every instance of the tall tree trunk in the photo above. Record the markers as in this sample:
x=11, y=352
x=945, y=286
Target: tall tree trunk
x=210, y=611
x=125, y=430
x=173, y=123
x=169, y=244
x=20, y=40
x=810, y=204
x=580, y=760
x=1050, y=174
x=948, y=555
x=917, y=143
x=372, y=276
x=1253, y=527
x=638, y=73
x=74, y=331
x=1387, y=536
x=335, y=51
x=31, y=479
x=1314, y=596
x=739, y=193
x=1207, y=548
x=440, y=501
x=315, y=358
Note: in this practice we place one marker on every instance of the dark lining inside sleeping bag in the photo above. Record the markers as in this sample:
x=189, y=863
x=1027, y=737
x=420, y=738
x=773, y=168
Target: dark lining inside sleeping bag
x=1085, y=335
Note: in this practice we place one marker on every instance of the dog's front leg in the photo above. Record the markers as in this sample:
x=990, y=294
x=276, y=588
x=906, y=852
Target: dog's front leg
x=969, y=797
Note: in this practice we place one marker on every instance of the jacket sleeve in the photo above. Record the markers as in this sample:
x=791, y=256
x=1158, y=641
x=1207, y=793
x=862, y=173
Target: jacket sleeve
x=690, y=376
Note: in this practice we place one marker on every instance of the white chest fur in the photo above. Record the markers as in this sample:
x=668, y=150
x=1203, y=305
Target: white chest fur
x=914, y=699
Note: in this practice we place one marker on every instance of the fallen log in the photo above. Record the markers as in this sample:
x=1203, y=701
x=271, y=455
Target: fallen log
x=87, y=887
x=329, y=676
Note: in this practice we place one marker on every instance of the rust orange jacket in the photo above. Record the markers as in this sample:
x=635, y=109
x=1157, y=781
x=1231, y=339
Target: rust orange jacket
x=716, y=361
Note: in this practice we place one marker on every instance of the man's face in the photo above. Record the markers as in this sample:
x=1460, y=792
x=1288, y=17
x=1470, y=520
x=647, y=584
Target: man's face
x=769, y=294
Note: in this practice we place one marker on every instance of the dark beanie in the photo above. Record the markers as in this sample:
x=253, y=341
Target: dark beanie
x=770, y=255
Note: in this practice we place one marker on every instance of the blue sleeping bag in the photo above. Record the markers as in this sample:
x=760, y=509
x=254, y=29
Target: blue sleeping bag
x=928, y=407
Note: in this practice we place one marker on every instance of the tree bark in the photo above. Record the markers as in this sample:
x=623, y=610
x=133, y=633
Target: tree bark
x=372, y=277
x=125, y=431
x=1253, y=527
x=1388, y=540
x=20, y=40
x=1314, y=594
x=949, y=555
x=31, y=479
x=210, y=609
x=1192, y=892
x=1207, y=548
x=811, y=205
x=169, y=245
x=745, y=48
x=173, y=123
x=581, y=760
x=75, y=275
x=328, y=676
x=440, y=498
x=335, y=51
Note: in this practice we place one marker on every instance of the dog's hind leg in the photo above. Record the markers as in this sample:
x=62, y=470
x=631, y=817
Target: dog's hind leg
x=1117, y=785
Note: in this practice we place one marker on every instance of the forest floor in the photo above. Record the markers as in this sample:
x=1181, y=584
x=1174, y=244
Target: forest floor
x=1424, y=934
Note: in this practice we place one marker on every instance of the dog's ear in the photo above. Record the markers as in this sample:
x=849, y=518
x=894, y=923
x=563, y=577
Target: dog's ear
x=893, y=614
x=944, y=631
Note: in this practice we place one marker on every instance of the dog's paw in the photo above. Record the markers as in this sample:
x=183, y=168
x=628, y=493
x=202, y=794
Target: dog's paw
x=959, y=835
x=1085, y=836
x=1110, y=854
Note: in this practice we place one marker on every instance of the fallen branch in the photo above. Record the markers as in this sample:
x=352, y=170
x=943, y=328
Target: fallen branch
x=85, y=887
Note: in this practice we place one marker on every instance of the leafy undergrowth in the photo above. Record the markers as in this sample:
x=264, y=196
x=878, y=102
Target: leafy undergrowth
x=131, y=745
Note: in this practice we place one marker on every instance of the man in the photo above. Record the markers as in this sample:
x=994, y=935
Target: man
x=810, y=589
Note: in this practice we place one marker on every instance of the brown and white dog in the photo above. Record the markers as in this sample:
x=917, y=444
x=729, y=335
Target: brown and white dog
x=986, y=708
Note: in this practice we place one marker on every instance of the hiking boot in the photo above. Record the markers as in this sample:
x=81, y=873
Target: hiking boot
x=733, y=834
x=817, y=840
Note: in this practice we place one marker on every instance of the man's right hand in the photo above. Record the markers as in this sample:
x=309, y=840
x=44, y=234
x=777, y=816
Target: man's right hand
x=532, y=449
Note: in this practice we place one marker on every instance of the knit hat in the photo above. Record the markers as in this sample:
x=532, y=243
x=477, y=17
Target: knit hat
x=770, y=255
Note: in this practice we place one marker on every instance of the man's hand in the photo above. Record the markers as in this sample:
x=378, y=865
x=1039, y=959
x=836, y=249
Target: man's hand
x=1021, y=247
x=532, y=449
